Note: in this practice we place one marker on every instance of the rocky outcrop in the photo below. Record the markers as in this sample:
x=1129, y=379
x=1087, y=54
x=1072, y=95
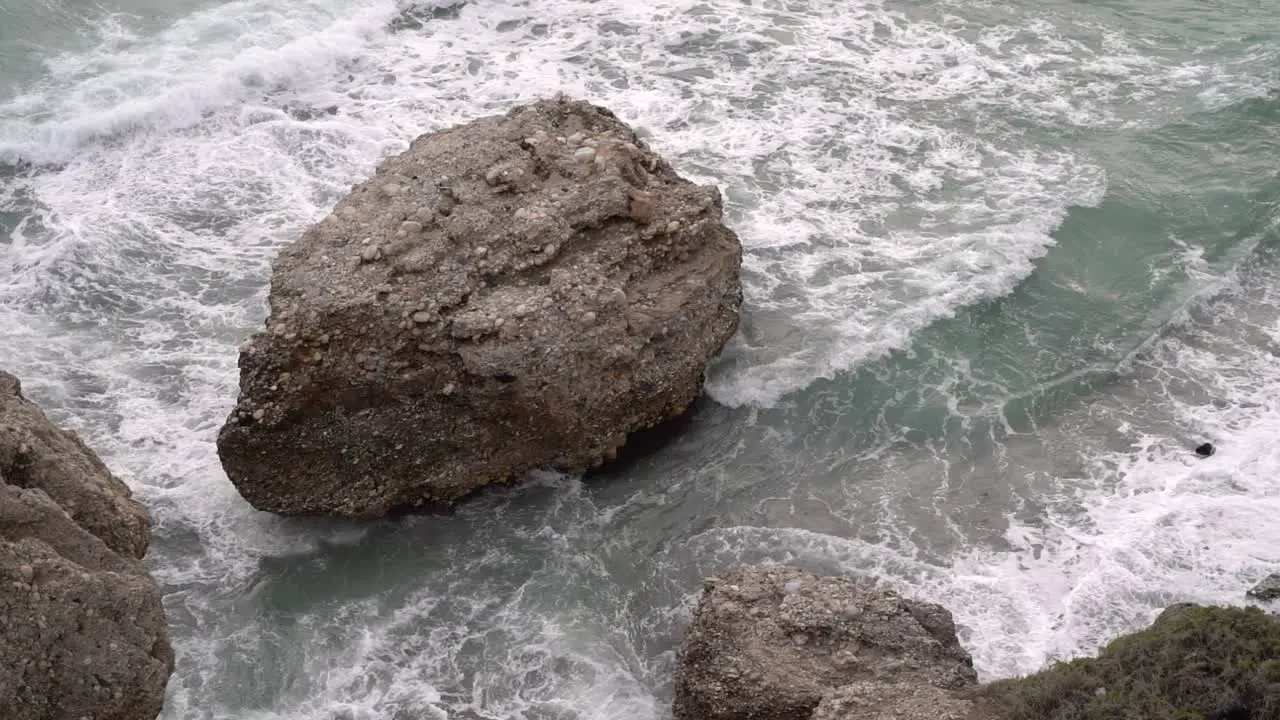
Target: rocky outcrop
x=516, y=293
x=1192, y=662
x=1267, y=589
x=82, y=630
x=779, y=643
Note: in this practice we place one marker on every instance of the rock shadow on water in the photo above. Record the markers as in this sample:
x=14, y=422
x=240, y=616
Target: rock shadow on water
x=643, y=445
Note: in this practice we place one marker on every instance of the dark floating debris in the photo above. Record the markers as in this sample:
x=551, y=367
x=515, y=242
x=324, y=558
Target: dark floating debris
x=1205, y=450
x=414, y=16
x=299, y=111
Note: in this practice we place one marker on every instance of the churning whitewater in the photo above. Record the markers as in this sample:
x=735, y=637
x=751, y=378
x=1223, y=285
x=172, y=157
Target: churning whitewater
x=1006, y=264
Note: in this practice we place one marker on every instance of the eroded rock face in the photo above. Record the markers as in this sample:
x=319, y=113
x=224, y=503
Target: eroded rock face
x=82, y=629
x=874, y=700
x=776, y=642
x=516, y=293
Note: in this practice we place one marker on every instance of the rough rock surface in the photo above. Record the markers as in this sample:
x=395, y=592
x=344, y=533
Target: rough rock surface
x=1267, y=589
x=887, y=701
x=771, y=642
x=82, y=630
x=518, y=292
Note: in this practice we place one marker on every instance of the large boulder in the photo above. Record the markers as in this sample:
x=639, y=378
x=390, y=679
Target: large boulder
x=520, y=292
x=82, y=629
x=776, y=642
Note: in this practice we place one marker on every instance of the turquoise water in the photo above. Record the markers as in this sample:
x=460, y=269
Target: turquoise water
x=1006, y=263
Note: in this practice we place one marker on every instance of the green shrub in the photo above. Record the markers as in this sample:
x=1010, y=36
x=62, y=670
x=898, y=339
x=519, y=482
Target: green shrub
x=1193, y=663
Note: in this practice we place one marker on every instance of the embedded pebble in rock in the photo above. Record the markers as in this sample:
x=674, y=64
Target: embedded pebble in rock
x=517, y=308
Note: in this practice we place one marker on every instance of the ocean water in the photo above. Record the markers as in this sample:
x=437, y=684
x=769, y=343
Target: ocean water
x=1007, y=262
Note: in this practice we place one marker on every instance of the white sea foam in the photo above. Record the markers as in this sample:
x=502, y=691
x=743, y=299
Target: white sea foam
x=1153, y=524
x=1143, y=522
x=869, y=208
x=870, y=165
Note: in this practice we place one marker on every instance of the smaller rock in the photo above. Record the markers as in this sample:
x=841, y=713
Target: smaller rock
x=1266, y=590
x=421, y=316
x=90, y=640
x=584, y=155
x=788, y=630
x=1205, y=450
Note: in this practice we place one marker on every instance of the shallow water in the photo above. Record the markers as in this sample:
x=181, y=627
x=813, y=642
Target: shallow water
x=1006, y=263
